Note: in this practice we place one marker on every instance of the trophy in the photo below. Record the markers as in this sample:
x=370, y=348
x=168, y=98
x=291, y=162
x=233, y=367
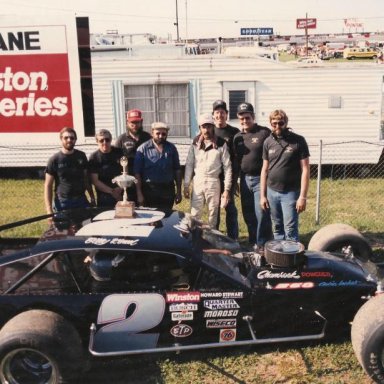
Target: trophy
x=124, y=208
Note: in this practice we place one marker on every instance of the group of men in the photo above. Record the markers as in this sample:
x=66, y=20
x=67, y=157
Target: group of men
x=272, y=165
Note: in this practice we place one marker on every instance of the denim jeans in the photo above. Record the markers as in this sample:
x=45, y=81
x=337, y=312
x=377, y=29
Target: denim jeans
x=61, y=204
x=257, y=220
x=284, y=215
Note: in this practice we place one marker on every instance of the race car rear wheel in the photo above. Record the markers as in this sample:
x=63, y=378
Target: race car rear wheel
x=368, y=338
x=343, y=239
x=39, y=347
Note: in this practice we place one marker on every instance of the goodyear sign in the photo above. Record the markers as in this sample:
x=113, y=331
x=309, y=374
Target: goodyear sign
x=256, y=31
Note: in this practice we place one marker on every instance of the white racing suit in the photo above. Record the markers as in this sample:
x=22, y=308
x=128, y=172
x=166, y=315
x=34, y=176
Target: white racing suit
x=206, y=160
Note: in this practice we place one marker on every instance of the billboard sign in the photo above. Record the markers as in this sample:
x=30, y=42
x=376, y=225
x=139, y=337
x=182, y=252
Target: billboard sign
x=306, y=23
x=39, y=77
x=256, y=31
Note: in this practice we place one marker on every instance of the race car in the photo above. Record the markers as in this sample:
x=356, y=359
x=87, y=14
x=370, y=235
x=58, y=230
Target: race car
x=99, y=286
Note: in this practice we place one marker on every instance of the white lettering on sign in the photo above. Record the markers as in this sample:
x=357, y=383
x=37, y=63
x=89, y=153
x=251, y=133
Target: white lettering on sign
x=29, y=105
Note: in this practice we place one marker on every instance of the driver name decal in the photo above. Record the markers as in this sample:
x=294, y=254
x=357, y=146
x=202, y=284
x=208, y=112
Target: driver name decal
x=116, y=240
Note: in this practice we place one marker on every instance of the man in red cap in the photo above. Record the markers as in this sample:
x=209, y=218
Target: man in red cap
x=130, y=141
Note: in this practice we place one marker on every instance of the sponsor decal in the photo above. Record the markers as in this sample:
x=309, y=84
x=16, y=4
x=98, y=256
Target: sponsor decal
x=178, y=297
x=295, y=285
x=221, y=323
x=316, y=274
x=182, y=307
x=341, y=283
x=221, y=313
x=180, y=316
x=224, y=295
x=102, y=241
x=227, y=335
x=221, y=304
x=181, y=330
x=277, y=275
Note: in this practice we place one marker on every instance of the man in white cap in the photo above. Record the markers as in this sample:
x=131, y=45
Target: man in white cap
x=207, y=157
x=157, y=170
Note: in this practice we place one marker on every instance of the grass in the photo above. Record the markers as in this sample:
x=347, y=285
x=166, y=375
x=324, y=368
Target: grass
x=356, y=201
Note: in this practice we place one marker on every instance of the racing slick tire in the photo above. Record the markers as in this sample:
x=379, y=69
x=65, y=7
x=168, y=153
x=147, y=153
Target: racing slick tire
x=341, y=238
x=39, y=346
x=368, y=337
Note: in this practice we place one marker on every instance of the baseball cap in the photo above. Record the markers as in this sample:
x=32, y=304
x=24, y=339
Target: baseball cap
x=159, y=125
x=206, y=119
x=245, y=107
x=134, y=115
x=220, y=104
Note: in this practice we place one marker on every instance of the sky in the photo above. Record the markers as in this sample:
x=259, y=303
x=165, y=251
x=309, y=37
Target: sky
x=209, y=18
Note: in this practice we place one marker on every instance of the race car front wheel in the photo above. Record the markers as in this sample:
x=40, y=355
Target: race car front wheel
x=39, y=347
x=368, y=338
x=342, y=239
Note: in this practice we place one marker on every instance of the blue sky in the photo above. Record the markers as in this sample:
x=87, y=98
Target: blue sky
x=209, y=18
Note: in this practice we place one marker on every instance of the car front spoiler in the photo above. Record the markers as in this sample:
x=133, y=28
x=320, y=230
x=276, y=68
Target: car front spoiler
x=177, y=347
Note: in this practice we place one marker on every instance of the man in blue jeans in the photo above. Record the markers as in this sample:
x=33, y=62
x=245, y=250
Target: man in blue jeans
x=248, y=148
x=284, y=177
x=227, y=132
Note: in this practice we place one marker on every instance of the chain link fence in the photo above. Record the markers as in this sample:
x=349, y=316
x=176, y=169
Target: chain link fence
x=346, y=189
x=347, y=184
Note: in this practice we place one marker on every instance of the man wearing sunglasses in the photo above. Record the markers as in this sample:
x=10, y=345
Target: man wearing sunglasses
x=248, y=148
x=104, y=165
x=157, y=170
x=284, y=177
x=67, y=170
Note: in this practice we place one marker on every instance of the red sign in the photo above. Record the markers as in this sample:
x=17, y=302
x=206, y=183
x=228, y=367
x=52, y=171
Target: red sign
x=306, y=23
x=35, y=94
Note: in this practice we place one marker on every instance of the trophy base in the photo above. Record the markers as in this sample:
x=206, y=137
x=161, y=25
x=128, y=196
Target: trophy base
x=124, y=209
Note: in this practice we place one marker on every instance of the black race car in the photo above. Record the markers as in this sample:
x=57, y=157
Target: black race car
x=98, y=285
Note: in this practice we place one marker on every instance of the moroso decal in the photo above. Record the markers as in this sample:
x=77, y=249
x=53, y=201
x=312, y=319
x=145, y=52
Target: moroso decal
x=221, y=323
x=221, y=304
x=182, y=307
x=181, y=330
x=180, y=316
x=227, y=335
x=277, y=275
x=316, y=274
x=295, y=285
x=223, y=313
x=178, y=297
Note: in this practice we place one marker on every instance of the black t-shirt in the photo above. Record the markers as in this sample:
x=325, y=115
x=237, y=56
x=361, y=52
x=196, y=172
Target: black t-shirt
x=284, y=155
x=129, y=146
x=68, y=171
x=106, y=165
x=227, y=133
x=248, y=147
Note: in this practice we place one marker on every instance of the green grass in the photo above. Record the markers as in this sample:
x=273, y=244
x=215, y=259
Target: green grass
x=355, y=201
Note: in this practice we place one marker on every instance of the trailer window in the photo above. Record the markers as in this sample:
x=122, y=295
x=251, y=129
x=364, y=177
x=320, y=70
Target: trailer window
x=235, y=98
x=161, y=102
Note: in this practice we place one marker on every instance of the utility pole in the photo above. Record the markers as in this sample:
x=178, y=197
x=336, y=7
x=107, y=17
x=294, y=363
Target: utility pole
x=306, y=34
x=177, y=23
